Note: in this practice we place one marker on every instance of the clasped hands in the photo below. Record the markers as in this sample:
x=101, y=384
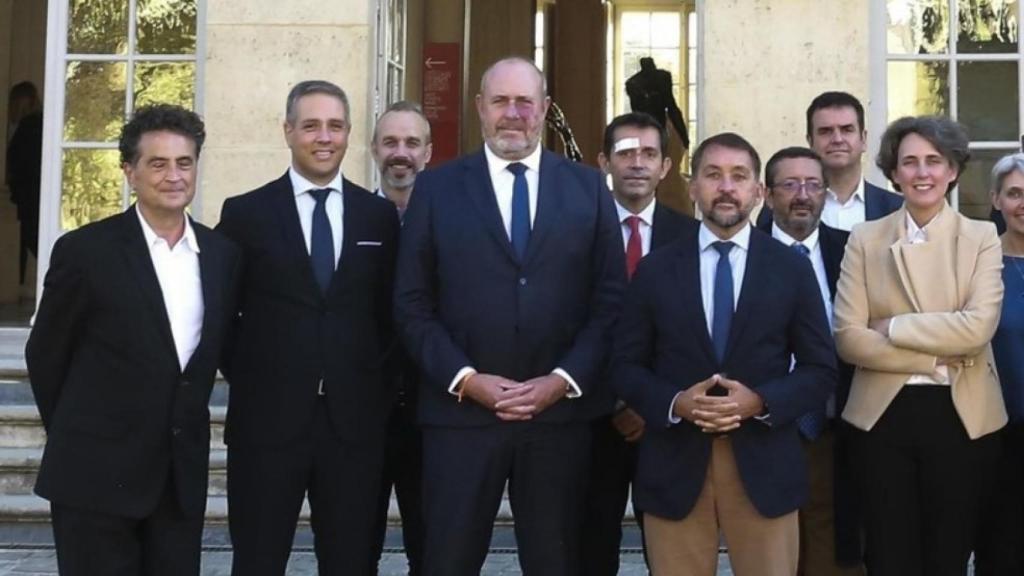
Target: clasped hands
x=717, y=414
x=511, y=400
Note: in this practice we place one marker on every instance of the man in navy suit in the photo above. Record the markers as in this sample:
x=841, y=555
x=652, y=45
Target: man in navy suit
x=829, y=528
x=309, y=403
x=635, y=155
x=710, y=327
x=836, y=132
x=510, y=276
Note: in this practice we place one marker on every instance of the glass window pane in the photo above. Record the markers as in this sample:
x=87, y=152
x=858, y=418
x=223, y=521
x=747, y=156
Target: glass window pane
x=631, y=61
x=987, y=26
x=917, y=26
x=665, y=29
x=164, y=83
x=974, y=183
x=636, y=29
x=94, y=101
x=166, y=27
x=92, y=187
x=667, y=60
x=917, y=88
x=97, y=26
x=691, y=35
x=987, y=99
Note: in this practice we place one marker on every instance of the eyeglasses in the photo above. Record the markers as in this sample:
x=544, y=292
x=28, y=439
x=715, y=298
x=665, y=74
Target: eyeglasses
x=794, y=186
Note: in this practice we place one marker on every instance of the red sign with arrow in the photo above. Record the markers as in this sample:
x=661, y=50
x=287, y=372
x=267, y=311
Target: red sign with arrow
x=441, y=97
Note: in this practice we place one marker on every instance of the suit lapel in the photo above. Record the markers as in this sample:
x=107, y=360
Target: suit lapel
x=140, y=266
x=660, y=227
x=482, y=197
x=549, y=203
x=293, y=241
x=210, y=269
x=352, y=223
x=831, y=255
x=688, y=280
x=756, y=270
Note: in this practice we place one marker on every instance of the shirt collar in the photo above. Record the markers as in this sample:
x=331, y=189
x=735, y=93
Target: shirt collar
x=496, y=165
x=706, y=237
x=811, y=242
x=917, y=233
x=857, y=197
x=646, y=215
x=188, y=238
x=301, y=185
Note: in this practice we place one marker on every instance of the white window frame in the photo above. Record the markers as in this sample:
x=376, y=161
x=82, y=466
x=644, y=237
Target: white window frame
x=879, y=57
x=383, y=65
x=12, y=339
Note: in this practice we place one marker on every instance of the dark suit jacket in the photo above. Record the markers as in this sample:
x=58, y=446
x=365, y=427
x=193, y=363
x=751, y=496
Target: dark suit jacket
x=289, y=336
x=662, y=347
x=462, y=298
x=118, y=410
x=878, y=202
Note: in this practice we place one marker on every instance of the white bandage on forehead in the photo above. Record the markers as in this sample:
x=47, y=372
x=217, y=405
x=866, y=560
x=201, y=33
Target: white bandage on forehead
x=626, y=144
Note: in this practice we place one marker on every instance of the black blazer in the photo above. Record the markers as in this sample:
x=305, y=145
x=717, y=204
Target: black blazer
x=462, y=298
x=289, y=336
x=118, y=410
x=662, y=346
x=878, y=202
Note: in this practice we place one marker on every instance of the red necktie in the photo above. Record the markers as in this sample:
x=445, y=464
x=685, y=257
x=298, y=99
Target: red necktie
x=634, y=247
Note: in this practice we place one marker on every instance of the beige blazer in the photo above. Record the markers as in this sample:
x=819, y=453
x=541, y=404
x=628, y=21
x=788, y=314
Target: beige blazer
x=944, y=296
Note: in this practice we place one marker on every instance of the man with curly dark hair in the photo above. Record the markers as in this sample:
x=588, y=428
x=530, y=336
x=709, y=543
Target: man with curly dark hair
x=122, y=358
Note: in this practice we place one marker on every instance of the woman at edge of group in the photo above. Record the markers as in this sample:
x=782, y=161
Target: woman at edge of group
x=1000, y=548
x=918, y=302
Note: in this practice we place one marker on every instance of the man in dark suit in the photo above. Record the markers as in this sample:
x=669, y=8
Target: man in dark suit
x=401, y=148
x=307, y=414
x=122, y=357
x=510, y=276
x=829, y=528
x=635, y=155
x=836, y=132
x=703, y=353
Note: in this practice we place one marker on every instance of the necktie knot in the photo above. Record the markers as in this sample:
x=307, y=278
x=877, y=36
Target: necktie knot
x=320, y=194
x=634, y=224
x=801, y=249
x=723, y=248
x=517, y=168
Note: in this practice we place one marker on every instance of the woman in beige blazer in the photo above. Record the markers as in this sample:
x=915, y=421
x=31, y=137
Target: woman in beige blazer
x=917, y=304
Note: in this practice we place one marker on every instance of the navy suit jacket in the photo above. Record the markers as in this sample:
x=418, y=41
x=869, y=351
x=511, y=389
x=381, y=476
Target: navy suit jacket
x=462, y=297
x=878, y=202
x=662, y=347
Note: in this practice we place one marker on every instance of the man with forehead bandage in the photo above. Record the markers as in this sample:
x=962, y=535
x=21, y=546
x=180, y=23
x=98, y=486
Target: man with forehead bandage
x=635, y=156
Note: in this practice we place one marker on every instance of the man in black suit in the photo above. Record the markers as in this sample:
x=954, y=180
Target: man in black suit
x=510, y=275
x=122, y=357
x=401, y=148
x=635, y=155
x=836, y=132
x=308, y=407
x=829, y=529
x=703, y=352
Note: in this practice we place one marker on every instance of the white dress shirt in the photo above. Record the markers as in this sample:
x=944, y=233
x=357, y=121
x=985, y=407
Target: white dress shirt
x=917, y=235
x=646, y=226
x=844, y=216
x=177, y=271
x=305, y=203
x=502, y=180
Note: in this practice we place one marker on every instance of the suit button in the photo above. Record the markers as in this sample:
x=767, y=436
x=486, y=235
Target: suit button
x=522, y=281
x=175, y=431
x=183, y=382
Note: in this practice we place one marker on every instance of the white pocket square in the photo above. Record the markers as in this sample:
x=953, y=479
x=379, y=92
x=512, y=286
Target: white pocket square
x=369, y=243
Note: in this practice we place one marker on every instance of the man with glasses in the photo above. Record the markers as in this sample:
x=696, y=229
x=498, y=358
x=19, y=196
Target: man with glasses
x=796, y=190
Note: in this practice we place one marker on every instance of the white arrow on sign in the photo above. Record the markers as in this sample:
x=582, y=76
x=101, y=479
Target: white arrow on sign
x=431, y=62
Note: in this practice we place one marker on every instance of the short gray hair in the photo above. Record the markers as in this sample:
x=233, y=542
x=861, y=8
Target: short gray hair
x=516, y=60
x=402, y=106
x=1004, y=167
x=307, y=87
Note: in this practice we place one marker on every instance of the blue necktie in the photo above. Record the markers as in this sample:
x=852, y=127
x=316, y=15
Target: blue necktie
x=520, y=209
x=812, y=424
x=721, y=316
x=321, y=243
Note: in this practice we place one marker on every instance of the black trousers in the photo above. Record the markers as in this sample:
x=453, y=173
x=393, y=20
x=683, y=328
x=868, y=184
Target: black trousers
x=266, y=487
x=1000, y=547
x=923, y=487
x=465, y=471
x=403, y=462
x=165, y=543
x=612, y=466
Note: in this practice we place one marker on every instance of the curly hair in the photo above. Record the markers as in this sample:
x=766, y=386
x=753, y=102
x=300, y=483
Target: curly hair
x=159, y=118
x=948, y=137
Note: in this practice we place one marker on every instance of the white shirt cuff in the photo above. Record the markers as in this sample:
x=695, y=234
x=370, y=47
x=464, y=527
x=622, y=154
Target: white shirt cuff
x=672, y=417
x=574, y=389
x=453, y=388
